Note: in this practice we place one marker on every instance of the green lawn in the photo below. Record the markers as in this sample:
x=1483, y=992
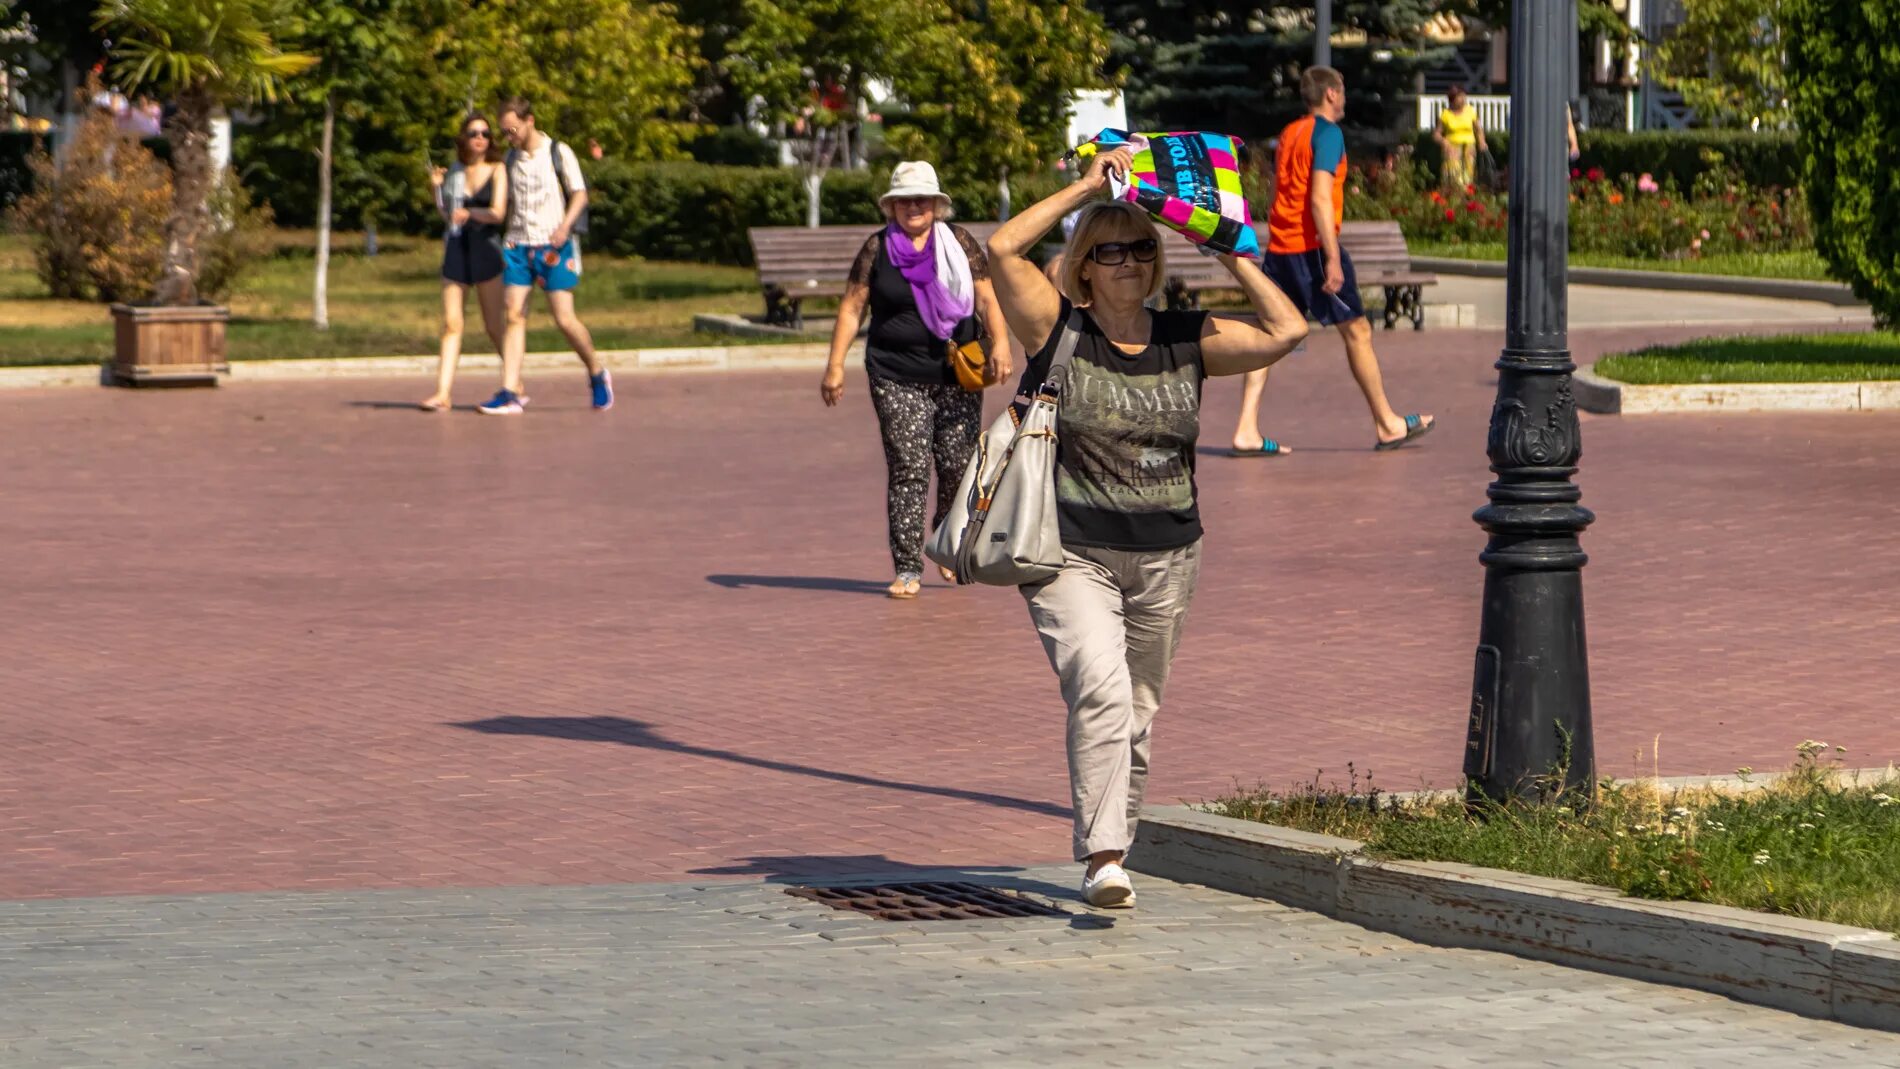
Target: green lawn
x=1784, y=358
x=384, y=305
x=1811, y=845
x=1797, y=265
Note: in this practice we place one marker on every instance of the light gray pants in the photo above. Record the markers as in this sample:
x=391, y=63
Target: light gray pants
x=1110, y=621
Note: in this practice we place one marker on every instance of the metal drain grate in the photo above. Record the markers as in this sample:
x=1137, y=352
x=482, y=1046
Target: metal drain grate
x=929, y=901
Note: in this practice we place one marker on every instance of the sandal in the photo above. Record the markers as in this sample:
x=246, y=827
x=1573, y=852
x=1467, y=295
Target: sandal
x=949, y=575
x=433, y=405
x=1414, y=428
x=904, y=588
x=1268, y=448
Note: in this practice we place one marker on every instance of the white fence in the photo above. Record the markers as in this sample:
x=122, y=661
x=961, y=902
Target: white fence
x=1494, y=112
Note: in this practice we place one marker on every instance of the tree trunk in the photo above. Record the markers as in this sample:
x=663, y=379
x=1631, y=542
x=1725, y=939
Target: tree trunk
x=1002, y=196
x=320, y=295
x=191, y=199
x=814, y=181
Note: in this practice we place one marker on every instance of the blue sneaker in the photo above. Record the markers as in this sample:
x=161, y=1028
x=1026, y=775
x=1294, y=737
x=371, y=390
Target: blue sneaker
x=504, y=403
x=603, y=385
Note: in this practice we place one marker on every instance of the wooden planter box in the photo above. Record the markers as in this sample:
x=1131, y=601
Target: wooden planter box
x=168, y=346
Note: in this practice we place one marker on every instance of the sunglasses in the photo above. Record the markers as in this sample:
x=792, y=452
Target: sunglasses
x=1115, y=253
x=473, y=134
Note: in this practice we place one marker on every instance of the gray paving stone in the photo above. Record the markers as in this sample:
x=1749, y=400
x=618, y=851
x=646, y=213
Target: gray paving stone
x=746, y=975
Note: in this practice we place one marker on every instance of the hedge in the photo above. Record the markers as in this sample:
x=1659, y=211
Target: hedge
x=696, y=211
x=1764, y=159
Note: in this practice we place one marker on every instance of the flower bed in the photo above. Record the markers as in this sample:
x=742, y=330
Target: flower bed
x=1631, y=215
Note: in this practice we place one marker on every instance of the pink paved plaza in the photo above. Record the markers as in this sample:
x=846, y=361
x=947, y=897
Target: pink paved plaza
x=297, y=635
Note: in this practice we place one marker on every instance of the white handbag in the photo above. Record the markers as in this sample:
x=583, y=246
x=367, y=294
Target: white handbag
x=1002, y=528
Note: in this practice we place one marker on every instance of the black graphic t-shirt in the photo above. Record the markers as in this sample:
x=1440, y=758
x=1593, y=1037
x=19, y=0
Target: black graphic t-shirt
x=1125, y=435
x=899, y=346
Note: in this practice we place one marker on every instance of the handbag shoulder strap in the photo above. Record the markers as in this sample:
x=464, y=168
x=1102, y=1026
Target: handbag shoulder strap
x=1065, y=350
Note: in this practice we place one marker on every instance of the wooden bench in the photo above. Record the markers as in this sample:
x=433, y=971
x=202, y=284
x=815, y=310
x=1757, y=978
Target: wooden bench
x=1379, y=258
x=796, y=263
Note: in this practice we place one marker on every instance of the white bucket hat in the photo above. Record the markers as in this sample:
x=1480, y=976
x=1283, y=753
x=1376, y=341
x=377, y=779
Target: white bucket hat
x=914, y=178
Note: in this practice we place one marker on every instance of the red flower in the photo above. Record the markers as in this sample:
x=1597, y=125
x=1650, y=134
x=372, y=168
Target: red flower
x=1473, y=206
x=1450, y=215
x=1575, y=173
x=1595, y=174
x=1471, y=189
x=1437, y=198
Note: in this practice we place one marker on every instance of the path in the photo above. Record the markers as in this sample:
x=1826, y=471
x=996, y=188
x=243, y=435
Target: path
x=677, y=974
x=296, y=636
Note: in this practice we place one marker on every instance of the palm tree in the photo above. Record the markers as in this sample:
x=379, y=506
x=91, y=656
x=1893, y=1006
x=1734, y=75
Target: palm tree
x=204, y=55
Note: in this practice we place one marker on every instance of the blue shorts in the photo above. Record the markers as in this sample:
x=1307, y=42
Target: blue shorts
x=553, y=269
x=1302, y=275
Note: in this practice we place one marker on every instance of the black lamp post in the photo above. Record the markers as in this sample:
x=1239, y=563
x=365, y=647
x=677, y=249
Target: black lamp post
x=1322, y=33
x=1530, y=702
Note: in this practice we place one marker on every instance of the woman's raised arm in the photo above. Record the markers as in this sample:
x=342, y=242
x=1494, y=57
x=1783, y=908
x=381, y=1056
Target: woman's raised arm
x=1030, y=303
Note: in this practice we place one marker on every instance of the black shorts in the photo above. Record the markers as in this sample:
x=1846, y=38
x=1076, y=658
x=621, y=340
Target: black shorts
x=1302, y=275
x=473, y=256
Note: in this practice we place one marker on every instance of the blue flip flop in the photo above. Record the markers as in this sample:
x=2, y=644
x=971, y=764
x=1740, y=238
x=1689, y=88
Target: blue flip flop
x=1268, y=448
x=1414, y=428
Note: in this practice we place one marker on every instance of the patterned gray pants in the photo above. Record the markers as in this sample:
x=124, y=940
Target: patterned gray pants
x=920, y=423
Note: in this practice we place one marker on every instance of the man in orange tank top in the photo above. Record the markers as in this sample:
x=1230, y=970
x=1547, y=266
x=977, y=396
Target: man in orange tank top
x=1304, y=259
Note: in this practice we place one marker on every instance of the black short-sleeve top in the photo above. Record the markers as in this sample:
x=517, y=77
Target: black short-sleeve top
x=1125, y=435
x=899, y=346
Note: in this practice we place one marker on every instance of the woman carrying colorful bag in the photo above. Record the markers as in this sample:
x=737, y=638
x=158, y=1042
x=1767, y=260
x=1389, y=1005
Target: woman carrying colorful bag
x=927, y=286
x=1124, y=493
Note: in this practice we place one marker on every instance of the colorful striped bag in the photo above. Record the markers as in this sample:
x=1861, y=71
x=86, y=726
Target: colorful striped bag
x=1188, y=182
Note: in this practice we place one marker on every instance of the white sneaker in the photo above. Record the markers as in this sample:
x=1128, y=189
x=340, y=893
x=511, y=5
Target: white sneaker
x=1109, y=888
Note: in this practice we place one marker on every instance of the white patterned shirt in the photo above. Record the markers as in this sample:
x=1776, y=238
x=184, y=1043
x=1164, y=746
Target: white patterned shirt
x=534, y=194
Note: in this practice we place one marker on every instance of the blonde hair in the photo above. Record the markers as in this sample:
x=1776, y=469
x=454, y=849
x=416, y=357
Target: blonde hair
x=1114, y=220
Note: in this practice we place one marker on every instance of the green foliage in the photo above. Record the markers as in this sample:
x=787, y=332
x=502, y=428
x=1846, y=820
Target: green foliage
x=989, y=92
x=697, y=212
x=203, y=54
x=1810, y=844
x=1726, y=60
x=614, y=71
x=223, y=50
x=1845, y=77
x=1760, y=159
x=1786, y=358
x=1234, y=67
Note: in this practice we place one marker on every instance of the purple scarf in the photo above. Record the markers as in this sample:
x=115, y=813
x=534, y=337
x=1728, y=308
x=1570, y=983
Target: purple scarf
x=939, y=309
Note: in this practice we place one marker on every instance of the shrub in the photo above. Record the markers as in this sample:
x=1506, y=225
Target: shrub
x=1761, y=159
x=1847, y=105
x=699, y=212
x=97, y=225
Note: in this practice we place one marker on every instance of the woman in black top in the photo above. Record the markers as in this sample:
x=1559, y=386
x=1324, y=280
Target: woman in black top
x=926, y=284
x=472, y=198
x=1127, y=421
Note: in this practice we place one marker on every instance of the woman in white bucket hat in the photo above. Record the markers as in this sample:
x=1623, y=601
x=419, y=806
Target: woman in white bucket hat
x=926, y=284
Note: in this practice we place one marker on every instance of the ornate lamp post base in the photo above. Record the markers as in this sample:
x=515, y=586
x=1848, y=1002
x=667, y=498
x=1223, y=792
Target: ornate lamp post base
x=1530, y=702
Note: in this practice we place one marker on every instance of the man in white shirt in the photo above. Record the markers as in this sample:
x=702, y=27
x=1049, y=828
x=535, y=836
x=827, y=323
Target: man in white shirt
x=547, y=199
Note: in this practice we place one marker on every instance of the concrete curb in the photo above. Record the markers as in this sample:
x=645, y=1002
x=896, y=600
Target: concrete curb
x=1789, y=289
x=1594, y=393
x=1815, y=969
x=808, y=355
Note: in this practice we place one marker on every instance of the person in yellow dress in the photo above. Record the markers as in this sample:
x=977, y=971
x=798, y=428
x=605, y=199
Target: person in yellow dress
x=1460, y=137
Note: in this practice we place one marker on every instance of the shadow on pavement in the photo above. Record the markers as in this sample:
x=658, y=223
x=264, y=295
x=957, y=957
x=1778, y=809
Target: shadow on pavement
x=619, y=729
x=798, y=582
